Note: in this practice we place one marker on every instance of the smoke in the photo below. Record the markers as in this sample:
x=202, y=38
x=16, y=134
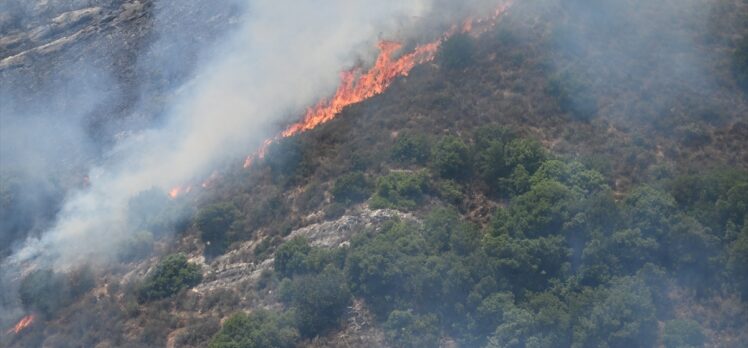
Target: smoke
x=281, y=58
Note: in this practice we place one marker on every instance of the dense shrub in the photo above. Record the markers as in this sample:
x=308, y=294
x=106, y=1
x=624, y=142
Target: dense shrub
x=411, y=149
x=400, y=190
x=256, y=330
x=525, y=152
x=214, y=222
x=451, y=158
x=405, y=329
x=291, y=257
x=318, y=301
x=683, y=334
x=173, y=274
x=351, y=188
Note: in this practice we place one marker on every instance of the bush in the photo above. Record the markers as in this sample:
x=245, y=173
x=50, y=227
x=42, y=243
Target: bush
x=257, y=330
x=400, y=190
x=525, y=152
x=451, y=158
x=411, y=149
x=318, y=301
x=456, y=52
x=683, y=334
x=405, y=329
x=214, y=222
x=171, y=275
x=351, y=188
x=291, y=257
x=489, y=153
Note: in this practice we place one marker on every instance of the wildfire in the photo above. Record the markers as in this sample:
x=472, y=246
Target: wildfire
x=357, y=86
x=22, y=324
x=178, y=191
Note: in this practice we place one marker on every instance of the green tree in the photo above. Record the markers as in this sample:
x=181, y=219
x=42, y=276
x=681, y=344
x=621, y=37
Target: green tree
x=173, y=274
x=351, y=188
x=737, y=262
x=451, y=158
x=214, y=222
x=400, y=190
x=622, y=316
x=525, y=152
x=683, y=334
x=291, y=257
x=411, y=149
x=318, y=301
x=257, y=330
x=406, y=329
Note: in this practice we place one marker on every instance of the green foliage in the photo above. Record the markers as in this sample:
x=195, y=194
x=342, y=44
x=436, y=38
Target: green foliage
x=683, y=334
x=214, y=222
x=399, y=190
x=411, y=149
x=380, y=266
x=297, y=257
x=451, y=158
x=318, y=301
x=528, y=153
x=351, y=188
x=173, y=274
x=539, y=212
x=456, y=52
x=574, y=175
x=623, y=316
x=737, y=262
x=259, y=329
x=290, y=258
x=405, y=329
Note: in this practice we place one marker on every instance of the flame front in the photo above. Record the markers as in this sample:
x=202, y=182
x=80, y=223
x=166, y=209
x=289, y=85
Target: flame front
x=22, y=324
x=357, y=86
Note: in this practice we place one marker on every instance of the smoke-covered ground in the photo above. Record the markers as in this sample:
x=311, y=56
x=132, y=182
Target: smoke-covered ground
x=105, y=106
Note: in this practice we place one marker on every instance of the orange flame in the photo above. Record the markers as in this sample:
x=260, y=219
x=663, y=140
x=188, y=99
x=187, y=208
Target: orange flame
x=357, y=86
x=22, y=324
x=177, y=191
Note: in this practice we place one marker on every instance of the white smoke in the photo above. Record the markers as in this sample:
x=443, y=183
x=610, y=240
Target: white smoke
x=283, y=57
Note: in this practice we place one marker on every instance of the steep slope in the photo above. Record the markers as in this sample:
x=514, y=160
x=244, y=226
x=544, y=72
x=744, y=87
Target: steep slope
x=642, y=161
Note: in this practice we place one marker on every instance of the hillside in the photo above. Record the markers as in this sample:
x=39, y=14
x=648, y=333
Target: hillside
x=574, y=176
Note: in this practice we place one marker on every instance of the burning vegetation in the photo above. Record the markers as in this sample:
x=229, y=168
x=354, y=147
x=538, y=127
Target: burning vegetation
x=22, y=324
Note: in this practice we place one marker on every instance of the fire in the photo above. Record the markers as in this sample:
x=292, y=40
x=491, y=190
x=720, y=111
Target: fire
x=177, y=191
x=22, y=324
x=357, y=86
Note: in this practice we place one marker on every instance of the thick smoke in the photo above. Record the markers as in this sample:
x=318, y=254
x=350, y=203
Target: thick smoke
x=283, y=57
